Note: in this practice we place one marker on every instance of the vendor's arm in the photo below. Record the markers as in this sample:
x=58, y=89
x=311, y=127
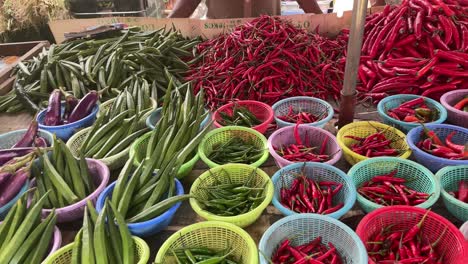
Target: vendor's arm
x=184, y=8
x=310, y=6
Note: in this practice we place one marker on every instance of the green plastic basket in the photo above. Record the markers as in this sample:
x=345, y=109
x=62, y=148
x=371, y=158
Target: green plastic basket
x=213, y=235
x=449, y=178
x=138, y=152
x=221, y=135
x=64, y=254
x=422, y=179
x=239, y=173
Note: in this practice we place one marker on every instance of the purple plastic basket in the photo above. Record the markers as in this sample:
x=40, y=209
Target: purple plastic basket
x=455, y=116
x=73, y=212
x=285, y=136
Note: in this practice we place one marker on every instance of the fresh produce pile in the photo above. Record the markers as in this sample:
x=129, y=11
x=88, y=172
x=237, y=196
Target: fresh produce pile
x=240, y=116
x=13, y=176
x=66, y=179
x=104, y=238
x=414, y=111
x=417, y=47
x=313, y=252
x=107, y=65
x=407, y=245
x=24, y=237
x=308, y=196
x=386, y=189
x=265, y=60
x=301, y=117
x=302, y=150
x=375, y=145
x=203, y=255
x=74, y=109
x=462, y=105
x=462, y=193
x=432, y=144
x=235, y=150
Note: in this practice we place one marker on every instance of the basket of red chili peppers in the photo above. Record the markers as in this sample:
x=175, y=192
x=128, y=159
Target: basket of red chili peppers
x=303, y=109
x=303, y=143
x=368, y=139
x=406, y=111
x=308, y=238
x=411, y=235
x=312, y=187
x=387, y=181
x=454, y=189
x=456, y=103
x=247, y=113
x=438, y=146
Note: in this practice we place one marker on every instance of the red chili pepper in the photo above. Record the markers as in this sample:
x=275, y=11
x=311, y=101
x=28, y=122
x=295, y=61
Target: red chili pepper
x=453, y=146
x=415, y=229
x=463, y=191
x=461, y=104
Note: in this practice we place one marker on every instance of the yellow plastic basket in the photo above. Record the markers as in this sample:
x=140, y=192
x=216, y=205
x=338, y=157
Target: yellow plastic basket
x=239, y=173
x=213, y=235
x=364, y=129
x=64, y=254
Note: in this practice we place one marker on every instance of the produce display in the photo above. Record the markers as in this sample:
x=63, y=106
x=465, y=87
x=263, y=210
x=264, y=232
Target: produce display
x=313, y=252
x=462, y=105
x=235, y=150
x=374, y=145
x=414, y=111
x=301, y=117
x=240, y=116
x=203, y=255
x=432, y=144
x=389, y=190
x=24, y=237
x=13, y=176
x=462, y=192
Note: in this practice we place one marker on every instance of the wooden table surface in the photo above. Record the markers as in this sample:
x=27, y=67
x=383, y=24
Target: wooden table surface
x=186, y=216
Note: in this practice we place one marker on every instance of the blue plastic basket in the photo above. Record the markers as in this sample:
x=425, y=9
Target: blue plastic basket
x=6, y=208
x=150, y=227
x=432, y=162
x=316, y=171
x=9, y=139
x=396, y=100
x=64, y=132
x=156, y=115
x=310, y=104
x=303, y=228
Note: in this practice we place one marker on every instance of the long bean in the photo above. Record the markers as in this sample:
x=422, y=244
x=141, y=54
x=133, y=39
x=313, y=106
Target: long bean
x=235, y=150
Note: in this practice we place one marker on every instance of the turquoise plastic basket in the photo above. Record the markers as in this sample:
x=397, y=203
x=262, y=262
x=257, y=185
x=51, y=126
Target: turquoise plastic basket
x=449, y=178
x=316, y=171
x=394, y=101
x=305, y=103
x=303, y=228
x=9, y=139
x=422, y=179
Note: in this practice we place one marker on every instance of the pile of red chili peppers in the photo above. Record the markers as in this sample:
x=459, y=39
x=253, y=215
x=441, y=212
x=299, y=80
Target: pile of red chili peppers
x=462, y=193
x=418, y=47
x=314, y=252
x=302, y=117
x=308, y=196
x=432, y=144
x=389, y=190
x=462, y=105
x=302, y=151
x=410, y=246
x=266, y=60
x=414, y=111
x=374, y=145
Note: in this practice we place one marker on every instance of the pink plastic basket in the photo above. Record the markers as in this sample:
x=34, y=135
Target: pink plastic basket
x=285, y=136
x=455, y=116
x=260, y=110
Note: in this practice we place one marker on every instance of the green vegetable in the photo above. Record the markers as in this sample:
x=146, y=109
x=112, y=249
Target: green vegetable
x=235, y=150
x=239, y=116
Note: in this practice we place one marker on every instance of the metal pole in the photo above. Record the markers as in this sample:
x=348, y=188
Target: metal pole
x=348, y=93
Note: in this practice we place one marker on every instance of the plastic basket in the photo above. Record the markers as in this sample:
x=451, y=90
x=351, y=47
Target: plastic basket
x=138, y=152
x=8, y=140
x=394, y=101
x=304, y=103
x=213, y=235
x=150, y=227
x=239, y=173
x=64, y=255
x=261, y=111
x=64, y=132
x=404, y=217
x=113, y=162
x=464, y=230
x=70, y=213
x=318, y=172
x=303, y=228
x=422, y=180
x=222, y=135
x=432, y=162
x=285, y=136
x=154, y=117
x=364, y=129
x=6, y=208
x=449, y=178
x=455, y=116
